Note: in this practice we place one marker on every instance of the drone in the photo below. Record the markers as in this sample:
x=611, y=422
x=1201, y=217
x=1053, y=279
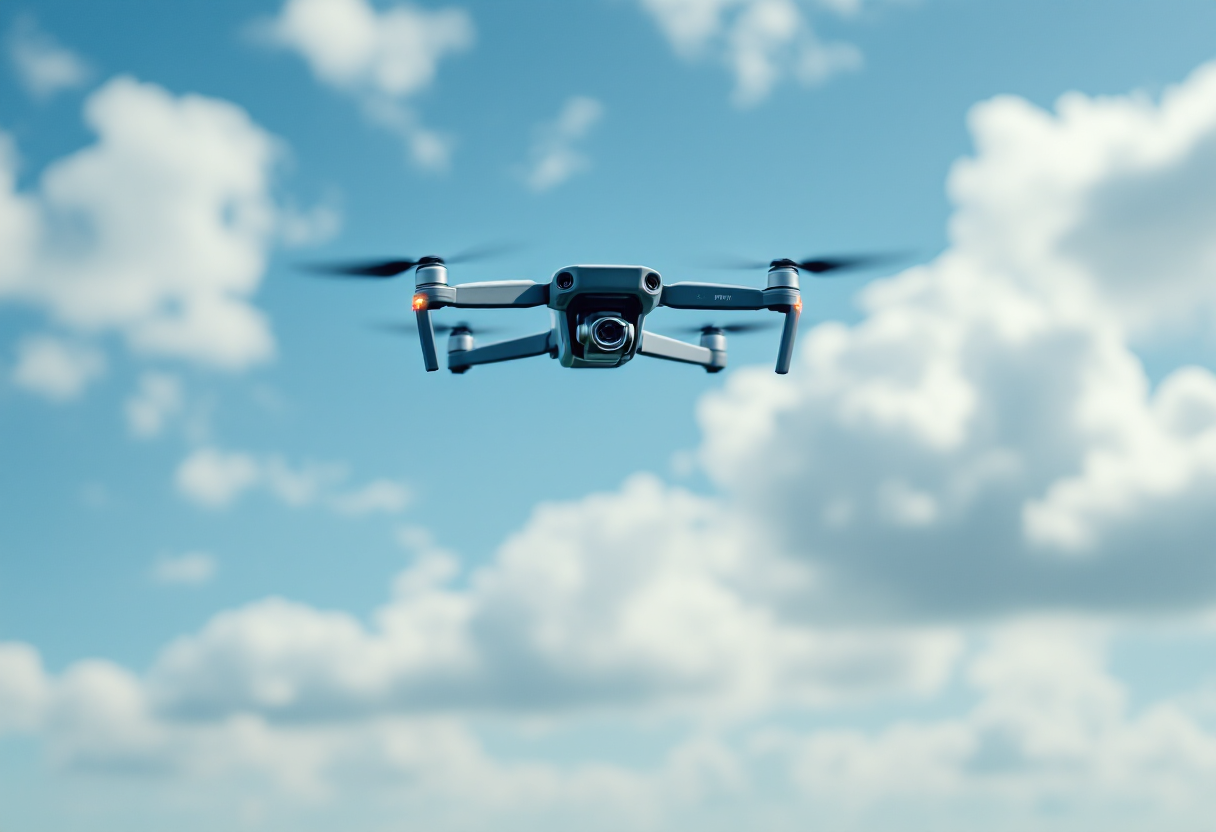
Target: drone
x=597, y=311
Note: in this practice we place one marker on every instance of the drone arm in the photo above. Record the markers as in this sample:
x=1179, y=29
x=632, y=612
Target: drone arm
x=525, y=347
x=426, y=335
x=500, y=294
x=788, y=332
x=782, y=295
x=672, y=349
x=712, y=296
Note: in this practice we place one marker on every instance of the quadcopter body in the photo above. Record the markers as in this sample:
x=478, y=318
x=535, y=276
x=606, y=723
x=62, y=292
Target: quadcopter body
x=598, y=315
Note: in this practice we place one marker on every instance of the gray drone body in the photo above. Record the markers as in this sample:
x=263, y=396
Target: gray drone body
x=598, y=315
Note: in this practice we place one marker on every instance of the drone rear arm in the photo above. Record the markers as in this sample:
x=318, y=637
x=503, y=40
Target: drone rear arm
x=782, y=295
x=672, y=349
x=789, y=331
x=525, y=347
x=712, y=296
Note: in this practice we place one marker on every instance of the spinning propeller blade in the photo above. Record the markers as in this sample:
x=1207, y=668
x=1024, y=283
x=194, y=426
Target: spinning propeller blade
x=377, y=268
x=817, y=266
x=757, y=326
x=392, y=268
x=831, y=264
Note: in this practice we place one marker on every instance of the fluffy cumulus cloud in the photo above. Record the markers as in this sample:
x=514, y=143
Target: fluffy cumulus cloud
x=214, y=478
x=761, y=42
x=23, y=688
x=159, y=231
x=98, y=719
x=382, y=58
x=55, y=368
x=987, y=440
x=157, y=400
x=639, y=599
x=631, y=605
x=555, y=156
x=1051, y=740
x=44, y=66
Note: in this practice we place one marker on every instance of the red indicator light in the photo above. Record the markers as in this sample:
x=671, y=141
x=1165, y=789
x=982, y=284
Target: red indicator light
x=419, y=303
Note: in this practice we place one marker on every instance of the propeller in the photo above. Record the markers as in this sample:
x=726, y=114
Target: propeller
x=818, y=266
x=392, y=268
x=706, y=329
x=460, y=327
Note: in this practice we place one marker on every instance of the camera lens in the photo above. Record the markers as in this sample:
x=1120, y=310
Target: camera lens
x=609, y=333
x=653, y=282
x=565, y=280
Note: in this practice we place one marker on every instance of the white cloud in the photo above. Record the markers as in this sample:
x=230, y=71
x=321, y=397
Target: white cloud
x=18, y=219
x=56, y=368
x=23, y=688
x=633, y=604
x=1051, y=724
x=307, y=227
x=380, y=495
x=645, y=599
x=554, y=156
x=159, y=231
x=214, y=478
x=158, y=399
x=190, y=569
x=43, y=65
x=986, y=439
x=1121, y=218
x=96, y=718
x=760, y=41
x=380, y=58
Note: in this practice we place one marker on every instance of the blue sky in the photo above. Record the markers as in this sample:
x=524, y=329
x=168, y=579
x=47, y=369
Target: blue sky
x=259, y=570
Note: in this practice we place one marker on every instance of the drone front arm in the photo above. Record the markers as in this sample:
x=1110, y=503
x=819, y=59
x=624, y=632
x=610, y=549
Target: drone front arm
x=712, y=296
x=501, y=294
x=426, y=336
x=672, y=349
x=525, y=347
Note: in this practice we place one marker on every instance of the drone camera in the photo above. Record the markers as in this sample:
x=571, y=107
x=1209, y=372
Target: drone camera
x=652, y=282
x=610, y=333
x=605, y=336
x=565, y=280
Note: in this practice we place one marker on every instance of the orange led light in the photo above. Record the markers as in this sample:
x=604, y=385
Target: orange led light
x=798, y=306
x=419, y=303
